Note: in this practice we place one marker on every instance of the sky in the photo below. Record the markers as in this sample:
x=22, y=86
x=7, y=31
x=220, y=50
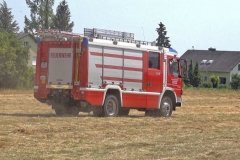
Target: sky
x=189, y=23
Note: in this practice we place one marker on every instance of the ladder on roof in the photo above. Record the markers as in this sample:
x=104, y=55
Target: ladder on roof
x=104, y=34
x=114, y=36
x=56, y=33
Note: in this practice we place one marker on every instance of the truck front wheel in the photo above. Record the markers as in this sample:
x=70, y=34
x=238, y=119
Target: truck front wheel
x=166, y=107
x=111, y=106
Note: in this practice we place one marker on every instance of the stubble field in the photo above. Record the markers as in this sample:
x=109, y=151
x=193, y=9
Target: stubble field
x=206, y=127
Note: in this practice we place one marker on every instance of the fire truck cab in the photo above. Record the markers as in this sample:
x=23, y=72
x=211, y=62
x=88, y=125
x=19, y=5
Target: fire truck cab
x=107, y=72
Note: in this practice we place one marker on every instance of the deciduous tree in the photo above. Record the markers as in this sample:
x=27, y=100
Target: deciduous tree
x=214, y=80
x=41, y=15
x=13, y=62
x=235, y=82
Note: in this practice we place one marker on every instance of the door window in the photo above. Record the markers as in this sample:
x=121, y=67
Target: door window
x=153, y=60
x=173, y=67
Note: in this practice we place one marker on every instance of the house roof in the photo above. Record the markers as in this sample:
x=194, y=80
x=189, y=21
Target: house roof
x=22, y=35
x=218, y=61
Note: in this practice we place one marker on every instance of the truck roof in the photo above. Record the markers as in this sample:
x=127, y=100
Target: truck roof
x=102, y=37
x=134, y=46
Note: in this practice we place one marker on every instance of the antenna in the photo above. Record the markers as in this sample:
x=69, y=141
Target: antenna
x=143, y=33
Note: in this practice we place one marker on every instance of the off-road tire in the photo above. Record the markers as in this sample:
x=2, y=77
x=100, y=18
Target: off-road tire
x=60, y=109
x=73, y=111
x=111, y=106
x=98, y=111
x=166, y=107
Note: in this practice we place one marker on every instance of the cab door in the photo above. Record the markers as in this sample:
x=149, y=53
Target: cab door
x=174, y=79
x=154, y=84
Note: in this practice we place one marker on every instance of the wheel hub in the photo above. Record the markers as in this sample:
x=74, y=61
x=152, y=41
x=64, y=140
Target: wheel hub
x=166, y=108
x=111, y=107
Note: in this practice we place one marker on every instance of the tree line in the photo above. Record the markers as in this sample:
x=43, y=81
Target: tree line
x=14, y=56
x=42, y=16
x=14, y=72
x=194, y=79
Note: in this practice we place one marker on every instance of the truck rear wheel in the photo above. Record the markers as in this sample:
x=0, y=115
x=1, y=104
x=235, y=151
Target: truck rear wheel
x=98, y=112
x=111, y=106
x=60, y=112
x=59, y=109
x=74, y=111
x=166, y=107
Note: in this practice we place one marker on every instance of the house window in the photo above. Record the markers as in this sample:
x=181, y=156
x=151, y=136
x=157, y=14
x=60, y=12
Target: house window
x=222, y=80
x=34, y=60
x=25, y=44
x=203, y=62
x=205, y=79
x=209, y=62
x=239, y=67
x=153, y=60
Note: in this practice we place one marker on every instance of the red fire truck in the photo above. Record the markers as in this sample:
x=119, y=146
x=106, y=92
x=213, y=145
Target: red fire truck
x=106, y=72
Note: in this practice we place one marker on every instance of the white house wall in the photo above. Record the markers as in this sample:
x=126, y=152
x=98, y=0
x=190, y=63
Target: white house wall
x=219, y=74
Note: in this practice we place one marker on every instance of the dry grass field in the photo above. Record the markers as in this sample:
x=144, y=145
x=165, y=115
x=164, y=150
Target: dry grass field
x=206, y=127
